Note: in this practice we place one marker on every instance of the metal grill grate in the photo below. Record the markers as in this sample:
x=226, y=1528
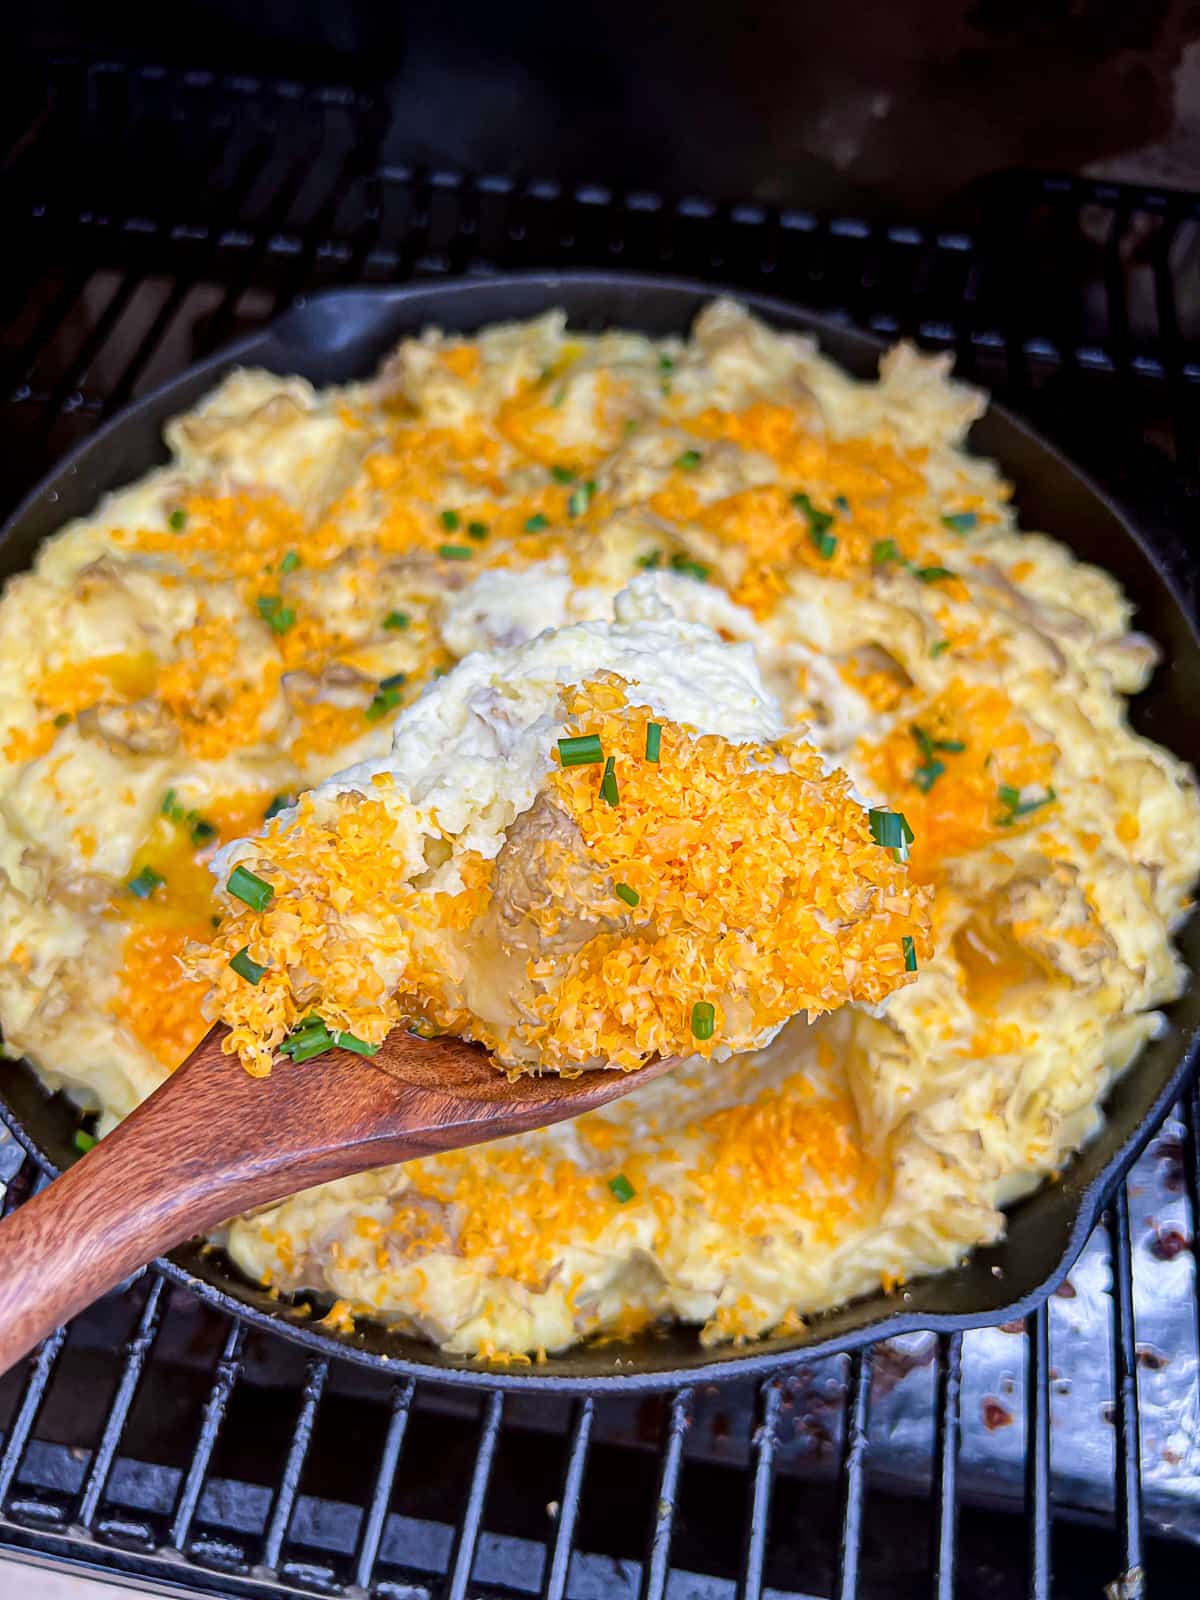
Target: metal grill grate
x=149, y=216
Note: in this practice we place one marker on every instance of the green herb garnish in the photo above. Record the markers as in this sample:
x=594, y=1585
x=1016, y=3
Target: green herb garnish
x=624, y=892
x=396, y=681
x=562, y=474
x=689, y=568
x=290, y=562
x=819, y=523
x=608, y=783
x=842, y=504
x=1015, y=807
x=145, y=883
x=932, y=574
x=689, y=460
x=580, y=498
x=250, y=889
x=455, y=552
x=651, y=561
x=960, y=521
x=704, y=1019
x=666, y=363
x=890, y=829
x=536, y=522
x=477, y=531
x=653, y=740
x=274, y=613
x=386, y=700
x=170, y=807
x=62, y=719
x=622, y=1188
x=581, y=751
x=939, y=647
x=910, y=953
x=396, y=621
x=883, y=551
x=449, y=520
x=203, y=831
x=177, y=521
x=931, y=769
x=245, y=968
x=281, y=802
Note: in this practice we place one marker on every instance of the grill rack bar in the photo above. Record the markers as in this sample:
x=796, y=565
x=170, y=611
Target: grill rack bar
x=940, y=293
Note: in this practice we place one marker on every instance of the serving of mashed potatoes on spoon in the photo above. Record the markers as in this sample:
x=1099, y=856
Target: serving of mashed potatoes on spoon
x=599, y=696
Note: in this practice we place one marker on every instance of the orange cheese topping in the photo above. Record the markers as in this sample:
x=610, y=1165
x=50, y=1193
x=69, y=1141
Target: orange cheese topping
x=959, y=809
x=758, y=892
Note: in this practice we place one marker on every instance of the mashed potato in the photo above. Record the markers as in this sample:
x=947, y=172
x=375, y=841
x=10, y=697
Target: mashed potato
x=541, y=865
x=257, y=615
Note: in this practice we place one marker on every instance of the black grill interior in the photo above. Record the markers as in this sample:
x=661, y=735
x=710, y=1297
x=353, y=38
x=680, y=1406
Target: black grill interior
x=150, y=215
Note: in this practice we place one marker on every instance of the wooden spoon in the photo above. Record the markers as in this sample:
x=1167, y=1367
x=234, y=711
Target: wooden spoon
x=212, y=1142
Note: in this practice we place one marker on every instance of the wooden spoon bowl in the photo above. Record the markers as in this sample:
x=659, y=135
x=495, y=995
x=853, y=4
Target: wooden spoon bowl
x=212, y=1142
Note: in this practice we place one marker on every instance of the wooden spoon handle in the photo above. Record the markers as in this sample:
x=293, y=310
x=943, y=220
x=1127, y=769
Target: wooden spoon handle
x=209, y=1143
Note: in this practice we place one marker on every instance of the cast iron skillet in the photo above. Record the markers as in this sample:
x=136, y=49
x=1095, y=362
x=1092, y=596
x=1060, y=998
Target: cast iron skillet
x=342, y=335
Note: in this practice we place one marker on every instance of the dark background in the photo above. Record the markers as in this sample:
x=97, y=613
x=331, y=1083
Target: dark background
x=886, y=106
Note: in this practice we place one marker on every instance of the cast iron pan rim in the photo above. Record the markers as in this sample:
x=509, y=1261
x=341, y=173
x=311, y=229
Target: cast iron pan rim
x=733, y=1362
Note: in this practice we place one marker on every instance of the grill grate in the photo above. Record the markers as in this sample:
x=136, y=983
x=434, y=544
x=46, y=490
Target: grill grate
x=150, y=216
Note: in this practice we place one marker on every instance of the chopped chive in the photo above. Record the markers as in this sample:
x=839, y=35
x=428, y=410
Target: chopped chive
x=624, y=892
x=177, y=520
x=274, y=613
x=396, y=681
x=890, y=829
x=477, y=531
x=290, y=562
x=559, y=395
x=62, y=719
x=704, y=1020
x=396, y=621
x=632, y=424
x=215, y=920
x=249, y=888
x=622, y=1188
x=842, y=504
x=145, y=883
x=245, y=968
x=653, y=740
x=926, y=744
x=281, y=802
x=536, y=522
x=666, y=363
x=386, y=700
x=883, y=551
x=939, y=647
x=455, y=552
x=84, y=1141
x=351, y=1041
x=650, y=561
x=581, y=751
x=818, y=520
x=449, y=520
x=689, y=568
x=562, y=474
x=928, y=774
x=307, y=1043
x=203, y=831
x=608, y=783
x=580, y=498
x=170, y=806
x=826, y=544
x=689, y=460
x=1010, y=799
x=960, y=521
x=932, y=574
x=910, y=953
